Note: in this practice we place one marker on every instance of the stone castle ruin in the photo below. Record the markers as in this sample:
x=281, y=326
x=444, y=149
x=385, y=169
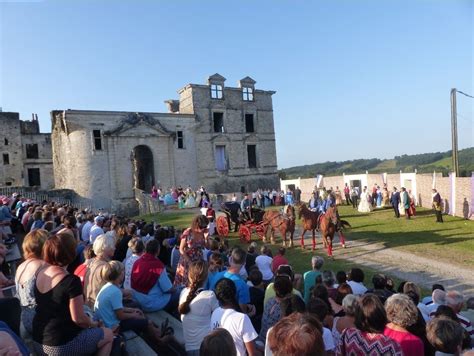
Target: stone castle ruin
x=217, y=136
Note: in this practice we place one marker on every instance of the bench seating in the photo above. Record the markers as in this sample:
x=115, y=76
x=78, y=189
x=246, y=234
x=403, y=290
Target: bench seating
x=136, y=346
x=160, y=317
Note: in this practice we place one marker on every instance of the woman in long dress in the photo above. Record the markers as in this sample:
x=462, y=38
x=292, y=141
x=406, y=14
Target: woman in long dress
x=338, y=194
x=365, y=206
x=379, y=197
x=385, y=198
x=190, y=200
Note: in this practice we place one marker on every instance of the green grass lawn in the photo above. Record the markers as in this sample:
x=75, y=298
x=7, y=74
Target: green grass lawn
x=452, y=241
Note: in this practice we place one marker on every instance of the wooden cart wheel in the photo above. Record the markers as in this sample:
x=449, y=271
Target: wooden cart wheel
x=260, y=230
x=222, y=226
x=245, y=234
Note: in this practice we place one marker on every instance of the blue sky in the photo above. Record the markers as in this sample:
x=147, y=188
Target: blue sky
x=354, y=79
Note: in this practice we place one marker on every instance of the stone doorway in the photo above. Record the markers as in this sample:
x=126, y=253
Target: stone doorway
x=143, y=168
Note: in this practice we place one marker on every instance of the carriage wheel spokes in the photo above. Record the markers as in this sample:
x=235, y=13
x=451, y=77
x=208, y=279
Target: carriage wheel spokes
x=222, y=226
x=245, y=234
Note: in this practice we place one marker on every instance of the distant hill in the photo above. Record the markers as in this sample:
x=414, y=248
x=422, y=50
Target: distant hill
x=423, y=163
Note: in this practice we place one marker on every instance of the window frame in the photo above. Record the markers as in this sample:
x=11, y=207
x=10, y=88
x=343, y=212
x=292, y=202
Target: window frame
x=30, y=174
x=217, y=91
x=248, y=94
x=222, y=130
x=178, y=139
x=253, y=123
x=97, y=139
x=226, y=161
x=28, y=150
x=255, y=156
x=6, y=159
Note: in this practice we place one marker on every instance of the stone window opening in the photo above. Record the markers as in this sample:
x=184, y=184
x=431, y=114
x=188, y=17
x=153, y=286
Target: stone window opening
x=5, y=141
x=218, y=119
x=221, y=158
x=180, y=137
x=252, y=156
x=6, y=159
x=247, y=94
x=96, y=134
x=249, y=127
x=32, y=150
x=216, y=91
x=34, y=178
x=8, y=184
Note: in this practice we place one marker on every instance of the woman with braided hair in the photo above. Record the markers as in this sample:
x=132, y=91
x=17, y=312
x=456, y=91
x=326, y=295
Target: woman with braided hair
x=196, y=306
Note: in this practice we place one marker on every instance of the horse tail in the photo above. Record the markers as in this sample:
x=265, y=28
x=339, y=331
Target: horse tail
x=345, y=223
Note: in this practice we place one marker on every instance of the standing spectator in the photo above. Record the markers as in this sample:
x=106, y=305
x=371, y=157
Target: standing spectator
x=309, y=277
x=96, y=229
x=191, y=246
x=236, y=323
x=405, y=199
x=347, y=194
x=151, y=286
x=354, y=197
x=25, y=278
x=356, y=279
x=395, y=201
x=264, y=264
x=436, y=202
x=297, y=195
x=367, y=336
x=196, y=307
x=401, y=314
x=279, y=259
x=60, y=326
x=86, y=228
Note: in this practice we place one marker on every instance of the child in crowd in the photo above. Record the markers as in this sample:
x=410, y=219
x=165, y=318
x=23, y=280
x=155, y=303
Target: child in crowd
x=137, y=247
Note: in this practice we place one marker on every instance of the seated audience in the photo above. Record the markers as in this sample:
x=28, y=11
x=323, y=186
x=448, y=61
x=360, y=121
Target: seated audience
x=10, y=343
x=340, y=323
x=283, y=270
x=279, y=259
x=401, y=314
x=109, y=307
x=218, y=342
x=151, y=286
x=336, y=304
x=264, y=264
x=104, y=248
x=138, y=249
x=445, y=335
x=469, y=312
x=356, y=281
x=455, y=300
x=196, y=306
x=309, y=277
x=25, y=278
x=367, y=336
x=60, y=326
x=296, y=335
x=229, y=317
x=379, y=282
x=319, y=308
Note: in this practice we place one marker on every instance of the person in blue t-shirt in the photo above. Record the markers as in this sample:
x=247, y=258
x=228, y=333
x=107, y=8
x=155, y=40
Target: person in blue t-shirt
x=236, y=261
x=109, y=308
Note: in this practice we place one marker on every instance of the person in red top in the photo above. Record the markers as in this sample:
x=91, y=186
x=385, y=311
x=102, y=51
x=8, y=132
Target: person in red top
x=279, y=259
x=151, y=286
x=402, y=313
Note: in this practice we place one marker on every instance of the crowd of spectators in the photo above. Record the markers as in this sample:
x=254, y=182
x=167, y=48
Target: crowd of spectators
x=86, y=279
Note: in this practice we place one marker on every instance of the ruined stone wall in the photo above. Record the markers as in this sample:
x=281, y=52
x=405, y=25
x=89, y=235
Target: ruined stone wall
x=11, y=174
x=235, y=139
x=44, y=162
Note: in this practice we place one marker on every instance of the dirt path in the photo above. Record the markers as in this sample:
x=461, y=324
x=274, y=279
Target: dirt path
x=406, y=266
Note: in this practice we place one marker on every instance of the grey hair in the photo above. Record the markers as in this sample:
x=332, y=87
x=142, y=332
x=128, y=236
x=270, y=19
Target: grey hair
x=401, y=310
x=317, y=262
x=102, y=243
x=454, y=298
x=349, y=304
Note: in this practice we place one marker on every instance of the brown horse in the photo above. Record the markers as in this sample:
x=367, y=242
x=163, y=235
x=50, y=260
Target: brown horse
x=284, y=222
x=310, y=222
x=327, y=226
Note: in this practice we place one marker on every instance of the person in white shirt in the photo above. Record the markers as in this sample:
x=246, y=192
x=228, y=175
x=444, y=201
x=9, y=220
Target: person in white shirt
x=96, y=229
x=356, y=281
x=264, y=264
x=236, y=323
x=86, y=229
x=137, y=247
x=196, y=306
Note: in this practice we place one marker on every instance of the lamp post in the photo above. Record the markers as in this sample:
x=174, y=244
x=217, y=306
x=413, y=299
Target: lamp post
x=454, y=132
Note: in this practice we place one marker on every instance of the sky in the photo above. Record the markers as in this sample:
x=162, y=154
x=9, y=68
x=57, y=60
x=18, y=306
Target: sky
x=353, y=79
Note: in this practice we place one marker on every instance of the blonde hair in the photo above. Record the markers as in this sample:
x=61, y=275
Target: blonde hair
x=102, y=243
x=112, y=270
x=401, y=310
x=33, y=243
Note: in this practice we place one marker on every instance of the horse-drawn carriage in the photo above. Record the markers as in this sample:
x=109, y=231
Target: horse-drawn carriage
x=245, y=223
x=255, y=221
